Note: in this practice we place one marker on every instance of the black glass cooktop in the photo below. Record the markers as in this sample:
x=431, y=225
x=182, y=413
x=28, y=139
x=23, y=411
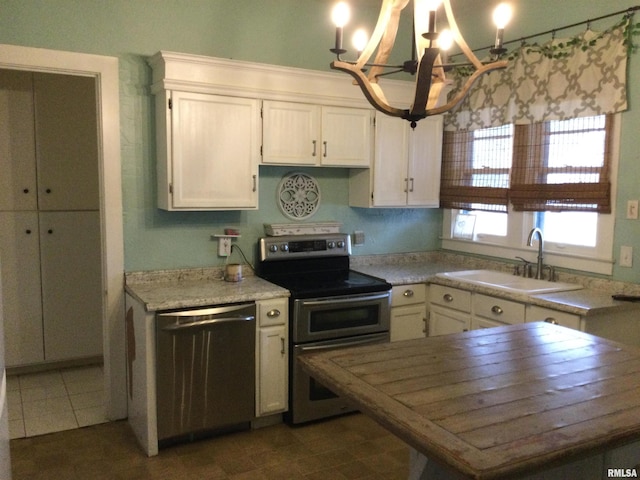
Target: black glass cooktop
x=328, y=283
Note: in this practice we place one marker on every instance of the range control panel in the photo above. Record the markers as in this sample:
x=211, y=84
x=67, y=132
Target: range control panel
x=304, y=246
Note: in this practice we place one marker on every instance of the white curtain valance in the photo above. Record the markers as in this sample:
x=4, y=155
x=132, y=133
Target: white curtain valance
x=562, y=79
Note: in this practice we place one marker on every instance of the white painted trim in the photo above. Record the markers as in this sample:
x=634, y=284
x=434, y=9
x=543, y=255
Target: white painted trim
x=200, y=74
x=105, y=71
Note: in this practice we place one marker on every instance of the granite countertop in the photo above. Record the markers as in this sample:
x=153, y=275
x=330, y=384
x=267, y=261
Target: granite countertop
x=188, y=288
x=174, y=290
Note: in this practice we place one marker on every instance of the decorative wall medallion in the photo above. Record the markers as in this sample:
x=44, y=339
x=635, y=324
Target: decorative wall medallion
x=298, y=195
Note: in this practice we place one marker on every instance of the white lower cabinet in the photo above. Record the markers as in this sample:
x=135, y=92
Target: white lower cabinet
x=535, y=313
x=408, y=312
x=494, y=312
x=449, y=310
x=272, y=377
x=52, y=286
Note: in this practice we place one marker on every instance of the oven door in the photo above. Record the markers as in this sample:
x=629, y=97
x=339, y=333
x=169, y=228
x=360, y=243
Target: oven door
x=316, y=319
x=310, y=400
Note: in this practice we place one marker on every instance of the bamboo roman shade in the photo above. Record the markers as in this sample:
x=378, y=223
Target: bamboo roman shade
x=562, y=166
x=550, y=166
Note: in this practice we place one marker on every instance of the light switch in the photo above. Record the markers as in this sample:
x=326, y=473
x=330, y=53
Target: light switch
x=632, y=209
x=626, y=256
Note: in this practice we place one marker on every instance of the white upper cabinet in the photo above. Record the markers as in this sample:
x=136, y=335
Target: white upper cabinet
x=208, y=151
x=304, y=134
x=406, y=168
x=17, y=147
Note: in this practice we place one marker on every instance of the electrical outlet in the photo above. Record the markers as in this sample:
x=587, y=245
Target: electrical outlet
x=224, y=246
x=626, y=256
x=358, y=237
x=632, y=209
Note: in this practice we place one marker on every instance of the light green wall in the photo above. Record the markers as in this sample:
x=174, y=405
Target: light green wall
x=285, y=32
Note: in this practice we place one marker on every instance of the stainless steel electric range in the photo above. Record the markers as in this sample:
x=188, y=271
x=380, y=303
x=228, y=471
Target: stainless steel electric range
x=331, y=306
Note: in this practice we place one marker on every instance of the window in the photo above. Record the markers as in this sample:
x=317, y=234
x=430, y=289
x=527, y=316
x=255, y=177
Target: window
x=557, y=178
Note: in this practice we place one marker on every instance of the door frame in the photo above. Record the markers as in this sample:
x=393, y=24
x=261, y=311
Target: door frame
x=106, y=73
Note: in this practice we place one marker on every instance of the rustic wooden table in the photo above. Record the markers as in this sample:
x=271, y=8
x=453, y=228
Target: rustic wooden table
x=500, y=402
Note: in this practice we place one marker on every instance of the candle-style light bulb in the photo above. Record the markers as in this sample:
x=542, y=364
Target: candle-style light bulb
x=360, y=39
x=445, y=42
x=432, y=6
x=340, y=17
x=501, y=17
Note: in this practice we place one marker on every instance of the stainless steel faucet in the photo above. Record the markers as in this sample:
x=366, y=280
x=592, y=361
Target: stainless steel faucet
x=540, y=247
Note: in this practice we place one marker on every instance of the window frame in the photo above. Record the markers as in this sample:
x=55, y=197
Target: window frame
x=598, y=259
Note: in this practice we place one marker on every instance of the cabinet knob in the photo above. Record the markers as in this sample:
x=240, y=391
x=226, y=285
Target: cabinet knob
x=273, y=313
x=408, y=293
x=497, y=310
x=50, y=231
x=28, y=231
x=48, y=190
x=26, y=190
x=551, y=320
x=447, y=297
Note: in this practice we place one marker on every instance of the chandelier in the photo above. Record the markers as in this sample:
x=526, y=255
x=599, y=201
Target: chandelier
x=428, y=62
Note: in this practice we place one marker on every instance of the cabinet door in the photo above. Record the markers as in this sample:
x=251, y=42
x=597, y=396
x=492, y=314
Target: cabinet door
x=408, y=322
x=66, y=146
x=425, y=159
x=390, y=182
x=71, y=284
x=346, y=137
x=443, y=321
x=272, y=373
x=291, y=133
x=22, y=305
x=215, y=152
x=17, y=146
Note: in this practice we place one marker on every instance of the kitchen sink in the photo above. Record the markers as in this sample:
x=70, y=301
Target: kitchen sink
x=508, y=282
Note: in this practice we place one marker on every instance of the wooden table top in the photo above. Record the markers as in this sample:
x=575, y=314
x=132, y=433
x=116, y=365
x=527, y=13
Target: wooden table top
x=497, y=402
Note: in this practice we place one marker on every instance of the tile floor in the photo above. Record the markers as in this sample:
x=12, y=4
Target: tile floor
x=352, y=447
x=47, y=402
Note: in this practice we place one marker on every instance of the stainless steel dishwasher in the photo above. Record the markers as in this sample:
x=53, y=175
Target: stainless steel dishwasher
x=205, y=372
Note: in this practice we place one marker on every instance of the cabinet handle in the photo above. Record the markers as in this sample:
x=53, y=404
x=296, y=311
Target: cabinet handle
x=313, y=154
x=411, y=188
x=408, y=293
x=273, y=313
x=497, y=310
x=447, y=297
x=551, y=320
x=406, y=185
x=425, y=329
x=255, y=182
x=324, y=144
x=282, y=351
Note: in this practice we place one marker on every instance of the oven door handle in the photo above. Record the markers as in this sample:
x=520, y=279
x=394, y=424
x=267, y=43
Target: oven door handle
x=348, y=343
x=333, y=301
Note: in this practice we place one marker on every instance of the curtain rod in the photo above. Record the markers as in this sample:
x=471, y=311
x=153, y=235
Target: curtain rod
x=629, y=11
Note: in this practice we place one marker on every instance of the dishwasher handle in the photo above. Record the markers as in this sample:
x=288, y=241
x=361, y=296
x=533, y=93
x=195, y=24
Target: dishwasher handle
x=204, y=323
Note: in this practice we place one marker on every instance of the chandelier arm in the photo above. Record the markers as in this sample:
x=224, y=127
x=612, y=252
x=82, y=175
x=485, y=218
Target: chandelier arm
x=388, y=38
x=368, y=90
x=383, y=19
x=460, y=41
x=467, y=86
x=423, y=82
